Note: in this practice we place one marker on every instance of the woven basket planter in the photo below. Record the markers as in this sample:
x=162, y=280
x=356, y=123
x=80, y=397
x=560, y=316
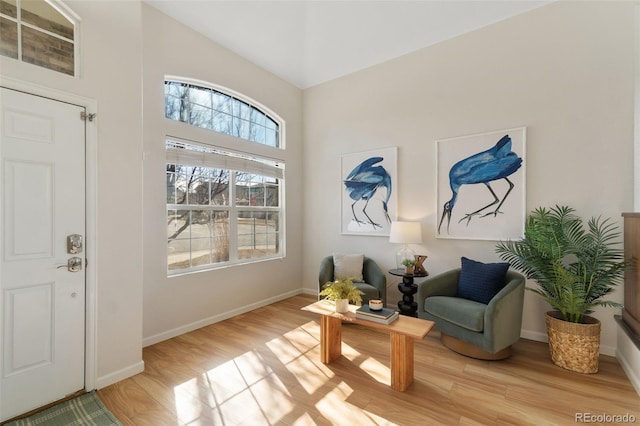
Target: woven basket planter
x=575, y=347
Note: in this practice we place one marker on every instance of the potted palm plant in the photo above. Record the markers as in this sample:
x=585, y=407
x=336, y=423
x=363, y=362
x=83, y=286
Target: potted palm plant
x=341, y=292
x=575, y=267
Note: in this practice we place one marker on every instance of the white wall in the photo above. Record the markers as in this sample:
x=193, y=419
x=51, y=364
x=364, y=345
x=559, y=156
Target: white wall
x=181, y=303
x=565, y=71
x=111, y=75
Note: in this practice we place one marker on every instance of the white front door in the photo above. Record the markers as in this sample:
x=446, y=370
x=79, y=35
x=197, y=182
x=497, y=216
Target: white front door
x=42, y=202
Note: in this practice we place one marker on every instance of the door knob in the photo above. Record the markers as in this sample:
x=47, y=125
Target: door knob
x=74, y=264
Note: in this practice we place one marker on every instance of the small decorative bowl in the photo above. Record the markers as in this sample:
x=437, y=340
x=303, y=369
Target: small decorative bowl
x=375, y=305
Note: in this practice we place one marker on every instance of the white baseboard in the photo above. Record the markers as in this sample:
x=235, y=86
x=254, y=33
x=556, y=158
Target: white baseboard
x=628, y=355
x=151, y=340
x=116, y=376
x=309, y=291
x=534, y=335
x=629, y=371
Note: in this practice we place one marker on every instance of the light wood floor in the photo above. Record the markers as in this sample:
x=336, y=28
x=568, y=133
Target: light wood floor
x=263, y=368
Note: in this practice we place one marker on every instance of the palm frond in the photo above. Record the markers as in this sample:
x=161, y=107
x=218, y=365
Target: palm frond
x=574, y=265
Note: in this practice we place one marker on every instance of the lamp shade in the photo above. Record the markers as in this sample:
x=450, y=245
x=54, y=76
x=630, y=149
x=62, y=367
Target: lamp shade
x=405, y=233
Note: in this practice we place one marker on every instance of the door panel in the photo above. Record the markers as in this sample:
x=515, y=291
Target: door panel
x=28, y=221
x=42, y=157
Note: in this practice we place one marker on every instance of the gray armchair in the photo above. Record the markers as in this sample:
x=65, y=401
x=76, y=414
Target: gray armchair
x=375, y=281
x=472, y=328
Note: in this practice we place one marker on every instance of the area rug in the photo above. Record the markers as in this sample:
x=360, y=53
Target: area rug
x=84, y=410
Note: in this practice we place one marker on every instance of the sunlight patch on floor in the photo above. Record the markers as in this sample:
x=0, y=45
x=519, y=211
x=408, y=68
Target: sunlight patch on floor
x=246, y=390
x=377, y=370
x=283, y=349
x=306, y=372
x=335, y=407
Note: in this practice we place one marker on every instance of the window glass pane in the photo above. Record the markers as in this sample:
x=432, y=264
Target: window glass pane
x=272, y=198
x=242, y=189
x=258, y=117
x=200, y=96
x=256, y=194
x=219, y=187
x=274, y=222
x=179, y=246
x=8, y=38
x=179, y=254
x=220, y=229
x=222, y=123
x=270, y=124
x=245, y=111
x=47, y=51
x=171, y=184
x=256, y=234
x=222, y=102
x=201, y=251
x=257, y=133
x=181, y=184
x=200, y=116
x=172, y=107
x=42, y=15
x=271, y=138
x=8, y=7
x=176, y=89
x=178, y=224
x=237, y=107
x=198, y=185
x=240, y=128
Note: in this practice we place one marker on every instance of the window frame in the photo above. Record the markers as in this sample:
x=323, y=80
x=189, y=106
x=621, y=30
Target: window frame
x=182, y=132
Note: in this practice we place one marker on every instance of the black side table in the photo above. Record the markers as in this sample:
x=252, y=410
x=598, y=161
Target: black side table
x=408, y=288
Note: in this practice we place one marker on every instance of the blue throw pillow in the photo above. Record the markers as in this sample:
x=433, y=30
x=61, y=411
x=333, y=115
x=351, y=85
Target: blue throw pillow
x=481, y=281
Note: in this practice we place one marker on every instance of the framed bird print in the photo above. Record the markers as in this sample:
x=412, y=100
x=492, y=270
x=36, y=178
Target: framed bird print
x=481, y=186
x=368, y=186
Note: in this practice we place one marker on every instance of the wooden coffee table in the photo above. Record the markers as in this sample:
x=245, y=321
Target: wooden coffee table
x=402, y=332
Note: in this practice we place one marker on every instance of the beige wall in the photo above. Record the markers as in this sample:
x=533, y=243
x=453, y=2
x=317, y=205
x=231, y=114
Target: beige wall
x=111, y=76
x=565, y=71
x=174, y=305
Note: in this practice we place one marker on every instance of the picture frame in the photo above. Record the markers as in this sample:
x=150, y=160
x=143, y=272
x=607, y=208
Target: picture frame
x=481, y=185
x=368, y=182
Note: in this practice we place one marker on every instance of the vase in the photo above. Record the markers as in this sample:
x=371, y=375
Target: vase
x=342, y=305
x=408, y=270
x=574, y=346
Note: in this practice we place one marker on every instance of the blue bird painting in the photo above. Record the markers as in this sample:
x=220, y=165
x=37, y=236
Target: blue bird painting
x=497, y=162
x=363, y=182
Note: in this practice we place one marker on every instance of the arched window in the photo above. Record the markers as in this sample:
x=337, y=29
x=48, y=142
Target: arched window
x=223, y=207
x=212, y=109
x=39, y=32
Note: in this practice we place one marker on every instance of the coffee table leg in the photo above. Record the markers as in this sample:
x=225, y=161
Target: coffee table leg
x=401, y=361
x=330, y=338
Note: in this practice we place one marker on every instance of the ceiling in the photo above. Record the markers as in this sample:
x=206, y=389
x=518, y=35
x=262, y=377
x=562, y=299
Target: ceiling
x=308, y=42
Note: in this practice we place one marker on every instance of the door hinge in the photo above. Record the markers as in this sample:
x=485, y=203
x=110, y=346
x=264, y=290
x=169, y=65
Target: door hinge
x=90, y=116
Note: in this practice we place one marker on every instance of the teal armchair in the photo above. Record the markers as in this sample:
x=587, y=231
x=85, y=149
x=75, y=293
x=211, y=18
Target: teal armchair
x=375, y=281
x=484, y=331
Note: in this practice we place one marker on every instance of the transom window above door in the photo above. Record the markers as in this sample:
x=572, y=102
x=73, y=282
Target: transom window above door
x=39, y=32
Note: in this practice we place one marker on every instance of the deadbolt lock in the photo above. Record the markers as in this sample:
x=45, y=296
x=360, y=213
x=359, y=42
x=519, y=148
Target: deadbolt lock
x=74, y=244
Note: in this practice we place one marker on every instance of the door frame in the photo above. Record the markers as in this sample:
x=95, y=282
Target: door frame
x=91, y=195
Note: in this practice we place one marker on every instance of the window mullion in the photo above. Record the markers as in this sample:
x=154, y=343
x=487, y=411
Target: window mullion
x=233, y=218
